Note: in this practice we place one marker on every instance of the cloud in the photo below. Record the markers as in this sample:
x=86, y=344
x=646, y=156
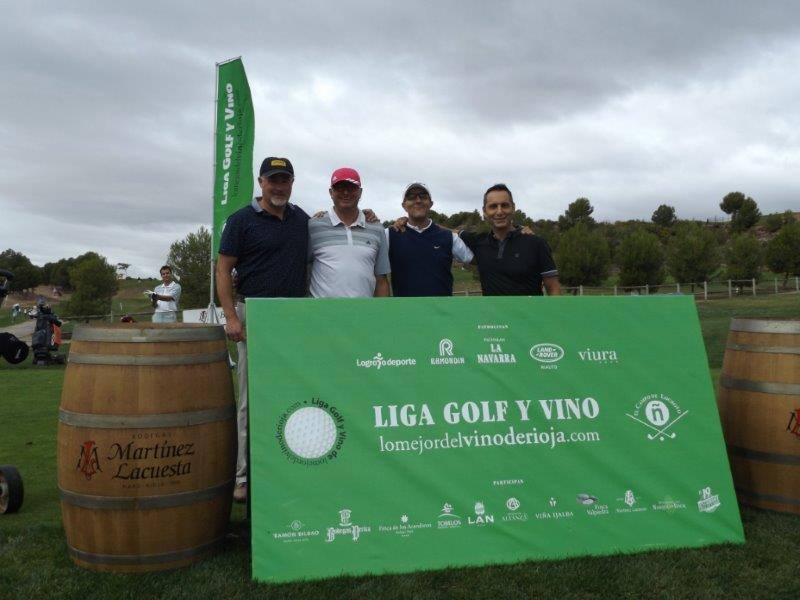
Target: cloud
x=106, y=124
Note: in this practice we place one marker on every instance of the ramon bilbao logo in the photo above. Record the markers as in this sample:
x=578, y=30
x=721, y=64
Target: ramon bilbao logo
x=658, y=413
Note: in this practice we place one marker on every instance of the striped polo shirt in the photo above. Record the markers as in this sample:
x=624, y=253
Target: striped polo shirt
x=345, y=260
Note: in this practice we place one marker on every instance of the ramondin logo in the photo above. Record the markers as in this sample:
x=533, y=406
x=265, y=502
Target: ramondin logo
x=446, y=354
x=547, y=353
x=378, y=362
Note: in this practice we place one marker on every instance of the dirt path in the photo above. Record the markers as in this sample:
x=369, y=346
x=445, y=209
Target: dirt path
x=23, y=331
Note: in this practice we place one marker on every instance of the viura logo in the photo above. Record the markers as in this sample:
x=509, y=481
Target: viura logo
x=548, y=354
x=598, y=356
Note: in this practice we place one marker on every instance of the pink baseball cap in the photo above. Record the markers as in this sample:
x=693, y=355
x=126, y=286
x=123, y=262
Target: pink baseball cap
x=345, y=174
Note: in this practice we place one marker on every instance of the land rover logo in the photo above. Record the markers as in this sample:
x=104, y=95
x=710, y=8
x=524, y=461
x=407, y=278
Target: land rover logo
x=547, y=353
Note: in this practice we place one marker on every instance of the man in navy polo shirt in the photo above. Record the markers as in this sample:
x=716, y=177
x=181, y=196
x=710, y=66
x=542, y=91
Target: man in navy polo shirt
x=267, y=243
x=421, y=255
x=510, y=263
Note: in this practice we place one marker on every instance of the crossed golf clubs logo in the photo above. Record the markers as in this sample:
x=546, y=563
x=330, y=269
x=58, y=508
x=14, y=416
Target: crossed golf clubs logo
x=658, y=416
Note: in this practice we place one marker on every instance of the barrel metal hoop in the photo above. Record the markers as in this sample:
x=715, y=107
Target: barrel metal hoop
x=768, y=457
x=145, y=502
x=765, y=326
x=149, y=360
x=763, y=387
x=206, y=333
x=769, y=497
x=143, y=559
x=150, y=421
x=767, y=349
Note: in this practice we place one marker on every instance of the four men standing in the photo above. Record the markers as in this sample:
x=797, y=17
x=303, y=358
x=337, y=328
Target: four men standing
x=271, y=242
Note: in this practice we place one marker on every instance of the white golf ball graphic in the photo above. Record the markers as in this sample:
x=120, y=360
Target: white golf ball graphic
x=310, y=432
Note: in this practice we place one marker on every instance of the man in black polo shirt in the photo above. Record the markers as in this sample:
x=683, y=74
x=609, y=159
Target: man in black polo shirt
x=267, y=243
x=510, y=263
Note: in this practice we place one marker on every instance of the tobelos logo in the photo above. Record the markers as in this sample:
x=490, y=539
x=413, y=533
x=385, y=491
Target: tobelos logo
x=311, y=432
x=655, y=408
x=547, y=353
x=378, y=361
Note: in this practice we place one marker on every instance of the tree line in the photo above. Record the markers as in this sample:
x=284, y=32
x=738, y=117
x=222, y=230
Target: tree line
x=586, y=251
x=646, y=252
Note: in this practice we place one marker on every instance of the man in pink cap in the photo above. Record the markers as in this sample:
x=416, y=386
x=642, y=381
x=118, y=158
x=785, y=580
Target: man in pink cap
x=349, y=256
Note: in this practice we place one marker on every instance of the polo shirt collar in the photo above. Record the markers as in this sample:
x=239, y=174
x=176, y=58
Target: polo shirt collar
x=514, y=232
x=420, y=229
x=360, y=221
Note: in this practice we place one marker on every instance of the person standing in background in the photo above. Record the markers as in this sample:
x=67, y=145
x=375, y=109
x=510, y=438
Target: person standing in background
x=165, y=298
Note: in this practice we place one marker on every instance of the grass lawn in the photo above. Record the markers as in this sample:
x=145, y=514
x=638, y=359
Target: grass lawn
x=34, y=562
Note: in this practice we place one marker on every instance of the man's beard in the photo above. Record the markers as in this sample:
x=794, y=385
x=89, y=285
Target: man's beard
x=278, y=202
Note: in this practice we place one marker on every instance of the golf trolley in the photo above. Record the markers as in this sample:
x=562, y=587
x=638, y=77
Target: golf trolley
x=11, y=348
x=46, y=336
x=11, y=490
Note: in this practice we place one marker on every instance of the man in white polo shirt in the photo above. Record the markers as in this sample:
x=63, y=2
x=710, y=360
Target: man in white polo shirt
x=349, y=257
x=166, y=297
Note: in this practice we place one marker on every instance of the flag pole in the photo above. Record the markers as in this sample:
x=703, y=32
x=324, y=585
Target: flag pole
x=212, y=309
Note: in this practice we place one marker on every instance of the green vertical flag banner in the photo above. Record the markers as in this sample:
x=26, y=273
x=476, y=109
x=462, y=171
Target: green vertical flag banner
x=233, y=154
x=396, y=435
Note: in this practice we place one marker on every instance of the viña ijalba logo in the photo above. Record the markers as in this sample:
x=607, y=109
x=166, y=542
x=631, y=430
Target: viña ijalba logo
x=379, y=361
x=446, y=355
x=658, y=413
x=547, y=354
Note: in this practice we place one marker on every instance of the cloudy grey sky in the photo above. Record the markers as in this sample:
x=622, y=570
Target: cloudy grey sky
x=106, y=114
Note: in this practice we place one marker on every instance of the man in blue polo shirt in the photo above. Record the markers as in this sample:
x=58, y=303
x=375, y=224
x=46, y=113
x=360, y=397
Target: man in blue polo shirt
x=267, y=243
x=421, y=255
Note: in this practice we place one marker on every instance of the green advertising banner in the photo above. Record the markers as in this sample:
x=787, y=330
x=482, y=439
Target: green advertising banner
x=233, y=154
x=403, y=434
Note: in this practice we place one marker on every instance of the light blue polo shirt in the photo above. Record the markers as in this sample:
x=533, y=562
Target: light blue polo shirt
x=345, y=260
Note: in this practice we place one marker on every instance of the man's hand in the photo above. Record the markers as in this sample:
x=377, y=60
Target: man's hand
x=525, y=230
x=370, y=216
x=319, y=214
x=234, y=329
x=400, y=224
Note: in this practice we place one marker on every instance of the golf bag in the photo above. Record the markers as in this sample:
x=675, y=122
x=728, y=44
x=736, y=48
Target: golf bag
x=46, y=336
x=5, y=280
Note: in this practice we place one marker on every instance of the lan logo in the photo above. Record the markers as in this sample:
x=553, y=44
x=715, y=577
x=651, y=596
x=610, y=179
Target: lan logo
x=88, y=463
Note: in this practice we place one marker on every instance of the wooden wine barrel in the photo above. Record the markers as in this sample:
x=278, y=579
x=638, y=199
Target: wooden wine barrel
x=759, y=404
x=146, y=445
